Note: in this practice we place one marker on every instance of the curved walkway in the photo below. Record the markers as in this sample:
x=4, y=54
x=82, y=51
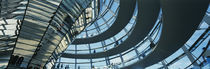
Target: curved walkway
x=179, y=23
x=148, y=11
x=124, y=15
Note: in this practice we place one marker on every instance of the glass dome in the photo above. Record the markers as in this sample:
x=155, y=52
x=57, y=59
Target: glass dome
x=104, y=34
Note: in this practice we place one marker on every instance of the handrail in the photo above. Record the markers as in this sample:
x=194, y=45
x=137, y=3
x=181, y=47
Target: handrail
x=200, y=39
x=205, y=49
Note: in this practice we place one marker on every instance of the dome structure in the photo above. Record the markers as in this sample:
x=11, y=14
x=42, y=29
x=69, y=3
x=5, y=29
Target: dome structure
x=104, y=34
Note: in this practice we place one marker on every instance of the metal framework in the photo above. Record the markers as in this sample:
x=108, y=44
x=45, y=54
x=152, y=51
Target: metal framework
x=104, y=34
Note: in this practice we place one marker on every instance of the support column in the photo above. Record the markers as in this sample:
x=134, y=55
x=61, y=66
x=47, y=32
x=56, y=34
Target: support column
x=164, y=64
x=190, y=56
